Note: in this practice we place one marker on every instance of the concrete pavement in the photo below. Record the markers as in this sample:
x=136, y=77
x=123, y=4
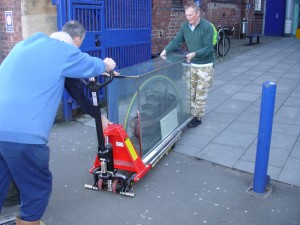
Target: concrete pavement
x=179, y=190
x=228, y=134
x=230, y=127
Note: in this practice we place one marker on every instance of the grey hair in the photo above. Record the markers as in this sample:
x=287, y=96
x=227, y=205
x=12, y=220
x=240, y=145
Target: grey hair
x=192, y=4
x=74, y=28
x=62, y=36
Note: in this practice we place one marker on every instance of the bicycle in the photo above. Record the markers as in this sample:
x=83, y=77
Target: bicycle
x=223, y=44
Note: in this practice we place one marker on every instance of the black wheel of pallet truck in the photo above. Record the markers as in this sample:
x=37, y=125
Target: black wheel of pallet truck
x=117, y=186
x=101, y=186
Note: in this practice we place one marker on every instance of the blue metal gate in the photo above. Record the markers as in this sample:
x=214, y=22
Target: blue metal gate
x=120, y=29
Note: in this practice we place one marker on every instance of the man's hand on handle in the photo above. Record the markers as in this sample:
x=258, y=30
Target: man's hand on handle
x=190, y=56
x=110, y=64
x=105, y=122
x=107, y=74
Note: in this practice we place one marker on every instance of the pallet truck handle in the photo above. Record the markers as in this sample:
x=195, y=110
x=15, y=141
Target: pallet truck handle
x=93, y=85
x=96, y=85
x=107, y=81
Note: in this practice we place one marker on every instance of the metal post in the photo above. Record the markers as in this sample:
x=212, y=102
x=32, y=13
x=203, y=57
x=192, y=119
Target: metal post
x=223, y=41
x=264, y=137
x=288, y=23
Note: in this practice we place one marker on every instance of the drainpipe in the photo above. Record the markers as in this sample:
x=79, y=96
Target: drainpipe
x=245, y=5
x=288, y=18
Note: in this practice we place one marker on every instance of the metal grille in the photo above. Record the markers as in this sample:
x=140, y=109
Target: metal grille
x=120, y=29
x=127, y=32
x=91, y=22
x=127, y=14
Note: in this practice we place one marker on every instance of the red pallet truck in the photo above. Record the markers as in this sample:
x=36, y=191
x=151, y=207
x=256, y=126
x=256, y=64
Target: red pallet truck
x=155, y=127
x=117, y=165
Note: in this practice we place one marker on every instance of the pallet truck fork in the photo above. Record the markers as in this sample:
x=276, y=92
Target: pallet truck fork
x=117, y=165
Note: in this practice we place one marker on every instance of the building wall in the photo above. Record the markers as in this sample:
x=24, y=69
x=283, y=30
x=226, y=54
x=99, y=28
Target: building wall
x=38, y=16
x=8, y=40
x=228, y=14
x=231, y=14
x=29, y=16
x=167, y=20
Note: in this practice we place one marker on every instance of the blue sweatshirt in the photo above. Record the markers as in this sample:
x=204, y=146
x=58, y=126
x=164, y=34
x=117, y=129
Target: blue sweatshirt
x=31, y=85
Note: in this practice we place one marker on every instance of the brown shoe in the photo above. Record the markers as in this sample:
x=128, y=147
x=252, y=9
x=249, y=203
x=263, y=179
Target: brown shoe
x=23, y=222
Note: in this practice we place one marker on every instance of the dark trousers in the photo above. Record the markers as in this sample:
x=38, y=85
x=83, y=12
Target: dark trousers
x=76, y=89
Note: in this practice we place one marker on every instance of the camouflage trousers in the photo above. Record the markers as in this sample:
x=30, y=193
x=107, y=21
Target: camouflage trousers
x=198, y=78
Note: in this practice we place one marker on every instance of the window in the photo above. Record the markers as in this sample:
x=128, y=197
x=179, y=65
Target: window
x=257, y=6
x=177, y=5
x=227, y=1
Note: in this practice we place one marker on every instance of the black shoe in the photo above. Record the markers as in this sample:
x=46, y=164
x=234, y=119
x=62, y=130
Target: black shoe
x=194, y=122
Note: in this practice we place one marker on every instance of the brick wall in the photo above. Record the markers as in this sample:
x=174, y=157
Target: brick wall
x=9, y=39
x=258, y=23
x=167, y=21
x=224, y=14
x=231, y=14
x=258, y=20
x=29, y=16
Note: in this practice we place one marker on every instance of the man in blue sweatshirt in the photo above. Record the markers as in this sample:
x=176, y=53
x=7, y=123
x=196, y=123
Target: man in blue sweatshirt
x=197, y=33
x=31, y=84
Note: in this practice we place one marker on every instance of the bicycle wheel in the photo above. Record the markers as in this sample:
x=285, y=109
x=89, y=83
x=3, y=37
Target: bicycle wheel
x=223, y=49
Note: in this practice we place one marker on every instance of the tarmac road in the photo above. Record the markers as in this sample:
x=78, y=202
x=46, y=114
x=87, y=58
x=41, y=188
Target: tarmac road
x=179, y=190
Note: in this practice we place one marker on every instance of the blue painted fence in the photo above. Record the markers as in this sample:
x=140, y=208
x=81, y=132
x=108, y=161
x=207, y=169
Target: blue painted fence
x=120, y=29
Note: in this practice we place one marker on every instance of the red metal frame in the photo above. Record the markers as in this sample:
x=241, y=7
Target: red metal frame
x=124, y=154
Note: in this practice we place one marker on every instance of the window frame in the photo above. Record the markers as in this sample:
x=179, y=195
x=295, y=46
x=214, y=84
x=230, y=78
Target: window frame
x=257, y=5
x=227, y=1
x=177, y=5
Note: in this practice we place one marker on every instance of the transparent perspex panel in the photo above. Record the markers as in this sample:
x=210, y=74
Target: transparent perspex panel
x=152, y=100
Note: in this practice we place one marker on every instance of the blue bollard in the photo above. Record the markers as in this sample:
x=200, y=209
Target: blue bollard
x=264, y=137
